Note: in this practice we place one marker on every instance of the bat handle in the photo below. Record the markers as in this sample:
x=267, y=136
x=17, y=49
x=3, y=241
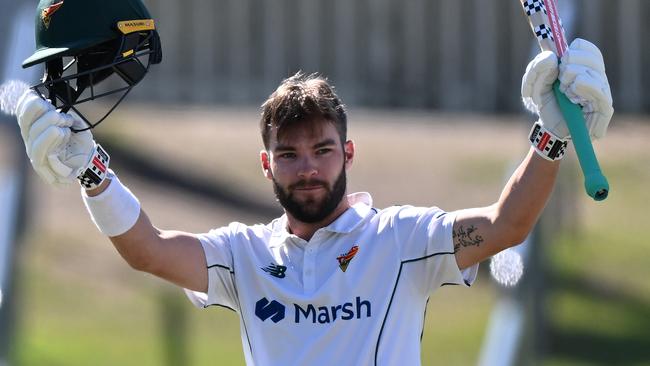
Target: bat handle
x=595, y=182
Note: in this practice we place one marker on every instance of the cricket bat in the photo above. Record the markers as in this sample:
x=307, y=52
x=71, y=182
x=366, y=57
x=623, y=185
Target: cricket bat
x=545, y=22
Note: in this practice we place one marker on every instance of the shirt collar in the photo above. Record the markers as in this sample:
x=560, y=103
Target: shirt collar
x=360, y=208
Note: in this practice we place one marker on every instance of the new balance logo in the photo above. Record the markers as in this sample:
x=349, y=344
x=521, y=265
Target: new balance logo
x=275, y=270
x=265, y=309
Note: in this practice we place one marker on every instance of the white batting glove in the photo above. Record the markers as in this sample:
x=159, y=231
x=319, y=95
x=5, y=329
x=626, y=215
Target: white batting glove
x=57, y=154
x=583, y=80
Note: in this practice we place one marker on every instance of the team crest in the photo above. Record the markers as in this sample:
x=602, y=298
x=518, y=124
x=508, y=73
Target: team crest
x=46, y=14
x=344, y=259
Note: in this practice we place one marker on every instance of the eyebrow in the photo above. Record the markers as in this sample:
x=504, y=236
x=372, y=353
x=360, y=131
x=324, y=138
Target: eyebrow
x=326, y=142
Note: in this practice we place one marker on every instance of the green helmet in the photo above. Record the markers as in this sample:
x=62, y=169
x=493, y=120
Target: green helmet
x=102, y=38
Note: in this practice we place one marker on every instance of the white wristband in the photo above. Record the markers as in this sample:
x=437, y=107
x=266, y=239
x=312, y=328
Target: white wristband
x=115, y=210
x=546, y=144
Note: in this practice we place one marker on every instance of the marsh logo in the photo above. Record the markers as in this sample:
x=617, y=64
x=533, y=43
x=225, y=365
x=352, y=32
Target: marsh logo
x=265, y=309
x=310, y=313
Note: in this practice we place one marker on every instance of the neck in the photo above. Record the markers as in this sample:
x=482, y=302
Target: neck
x=305, y=230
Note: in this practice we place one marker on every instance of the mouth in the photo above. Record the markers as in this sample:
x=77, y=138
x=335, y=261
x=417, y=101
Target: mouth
x=309, y=188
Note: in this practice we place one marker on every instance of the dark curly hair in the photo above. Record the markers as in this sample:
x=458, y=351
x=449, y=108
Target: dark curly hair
x=302, y=98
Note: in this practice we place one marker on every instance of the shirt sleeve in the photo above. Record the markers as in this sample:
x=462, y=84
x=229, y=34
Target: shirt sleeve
x=427, y=248
x=221, y=274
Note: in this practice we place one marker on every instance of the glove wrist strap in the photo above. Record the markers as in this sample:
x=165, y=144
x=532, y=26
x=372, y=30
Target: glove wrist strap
x=95, y=172
x=546, y=144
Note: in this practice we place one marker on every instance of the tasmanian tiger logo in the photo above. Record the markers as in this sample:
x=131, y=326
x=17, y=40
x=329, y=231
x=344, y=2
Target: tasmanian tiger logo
x=344, y=259
x=46, y=14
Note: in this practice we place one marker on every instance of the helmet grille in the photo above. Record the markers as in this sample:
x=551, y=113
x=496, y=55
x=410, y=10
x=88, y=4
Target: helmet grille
x=128, y=57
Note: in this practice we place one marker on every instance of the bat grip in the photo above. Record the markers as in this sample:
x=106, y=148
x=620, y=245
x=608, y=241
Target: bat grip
x=595, y=182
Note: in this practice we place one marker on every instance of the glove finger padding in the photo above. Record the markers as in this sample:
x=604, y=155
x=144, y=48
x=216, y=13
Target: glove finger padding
x=77, y=153
x=536, y=84
x=591, y=93
x=45, y=139
x=583, y=80
x=49, y=119
x=583, y=52
x=537, y=93
x=30, y=108
x=41, y=149
x=597, y=124
x=597, y=104
x=64, y=172
x=70, y=159
x=57, y=154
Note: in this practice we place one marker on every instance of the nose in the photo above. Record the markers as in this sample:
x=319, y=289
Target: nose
x=307, y=168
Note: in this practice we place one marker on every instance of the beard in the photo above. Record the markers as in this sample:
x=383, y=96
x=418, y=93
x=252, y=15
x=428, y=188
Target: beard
x=312, y=210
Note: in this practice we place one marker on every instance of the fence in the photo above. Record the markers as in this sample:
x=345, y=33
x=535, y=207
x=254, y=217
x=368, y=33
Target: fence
x=442, y=54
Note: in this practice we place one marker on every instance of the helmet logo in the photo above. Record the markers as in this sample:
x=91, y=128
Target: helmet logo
x=46, y=14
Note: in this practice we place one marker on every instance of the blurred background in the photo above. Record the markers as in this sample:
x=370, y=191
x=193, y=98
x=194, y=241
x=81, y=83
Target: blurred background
x=432, y=88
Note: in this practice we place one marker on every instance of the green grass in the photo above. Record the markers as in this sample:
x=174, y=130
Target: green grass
x=597, y=325
x=600, y=306
x=456, y=322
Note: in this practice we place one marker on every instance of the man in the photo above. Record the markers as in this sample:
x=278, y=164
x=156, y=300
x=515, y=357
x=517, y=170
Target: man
x=334, y=280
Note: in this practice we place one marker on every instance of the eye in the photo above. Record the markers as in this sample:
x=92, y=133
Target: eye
x=287, y=155
x=323, y=151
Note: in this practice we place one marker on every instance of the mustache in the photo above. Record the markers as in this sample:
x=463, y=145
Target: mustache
x=308, y=183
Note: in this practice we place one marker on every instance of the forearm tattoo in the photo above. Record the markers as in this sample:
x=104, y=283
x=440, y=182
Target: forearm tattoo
x=466, y=237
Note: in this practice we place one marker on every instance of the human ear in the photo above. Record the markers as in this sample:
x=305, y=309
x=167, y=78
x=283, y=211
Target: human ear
x=348, y=150
x=265, y=160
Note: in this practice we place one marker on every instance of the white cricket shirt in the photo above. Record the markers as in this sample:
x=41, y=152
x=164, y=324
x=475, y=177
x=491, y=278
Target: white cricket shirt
x=355, y=294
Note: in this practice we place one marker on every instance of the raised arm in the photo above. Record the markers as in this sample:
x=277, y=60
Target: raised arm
x=479, y=233
x=482, y=232
x=172, y=255
x=61, y=157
